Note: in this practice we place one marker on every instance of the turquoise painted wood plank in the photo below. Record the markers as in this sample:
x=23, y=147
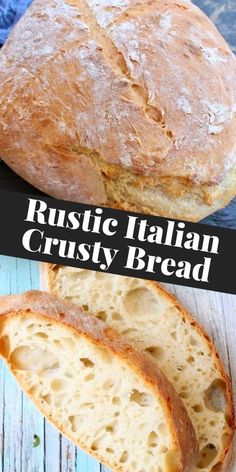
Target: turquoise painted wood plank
x=52, y=448
x=85, y=463
x=4, y=282
x=11, y=404
x=68, y=455
x=32, y=424
x=12, y=425
x=21, y=420
x=105, y=469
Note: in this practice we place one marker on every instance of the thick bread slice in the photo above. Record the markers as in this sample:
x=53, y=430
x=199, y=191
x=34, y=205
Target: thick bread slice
x=108, y=399
x=153, y=321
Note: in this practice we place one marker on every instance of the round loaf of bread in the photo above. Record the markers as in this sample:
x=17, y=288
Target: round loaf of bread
x=122, y=103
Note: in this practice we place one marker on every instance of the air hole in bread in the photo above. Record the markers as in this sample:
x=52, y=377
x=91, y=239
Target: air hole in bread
x=110, y=450
x=183, y=394
x=108, y=384
x=110, y=428
x=87, y=362
x=215, y=396
x=152, y=439
x=30, y=359
x=48, y=399
x=206, y=456
x=174, y=335
x=88, y=405
x=5, y=346
x=154, y=113
x=33, y=390
x=89, y=377
x=140, y=302
x=190, y=360
x=85, y=307
x=137, y=94
x=69, y=375
x=116, y=401
x=155, y=351
x=42, y=335
x=197, y=408
x=97, y=444
x=31, y=326
x=193, y=341
x=74, y=421
x=116, y=316
x=176, y=378
x=169, y=133
x=101, y=315
x=58, y=385
x=124, y=457
x=141, y=398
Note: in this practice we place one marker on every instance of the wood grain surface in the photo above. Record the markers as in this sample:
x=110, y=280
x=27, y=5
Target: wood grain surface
x=19, y=419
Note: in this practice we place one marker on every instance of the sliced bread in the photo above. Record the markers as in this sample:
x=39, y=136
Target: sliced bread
x=108, y=399
x=153, y=321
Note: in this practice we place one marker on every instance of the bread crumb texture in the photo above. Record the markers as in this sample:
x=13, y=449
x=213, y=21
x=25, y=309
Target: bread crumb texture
x=155, y=323
x=102, y=394
x=92, y=396
x=127, y=103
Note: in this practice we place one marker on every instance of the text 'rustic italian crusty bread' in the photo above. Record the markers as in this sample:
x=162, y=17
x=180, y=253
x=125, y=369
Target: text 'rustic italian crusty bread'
x=153, y=321
x=129, y=104
x=104, y=396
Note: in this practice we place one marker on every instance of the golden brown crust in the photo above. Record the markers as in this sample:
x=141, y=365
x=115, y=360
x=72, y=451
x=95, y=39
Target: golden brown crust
x=169, y=197
x=47, y=275
x=230, y=412
x=148, y=87
x=42, y=304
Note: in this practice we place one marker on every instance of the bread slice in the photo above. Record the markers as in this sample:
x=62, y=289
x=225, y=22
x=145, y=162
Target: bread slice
x=153, y=321
x=108, y=399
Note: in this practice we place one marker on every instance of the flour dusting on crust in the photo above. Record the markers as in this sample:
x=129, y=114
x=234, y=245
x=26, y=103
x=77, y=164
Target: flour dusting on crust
x=111, y=86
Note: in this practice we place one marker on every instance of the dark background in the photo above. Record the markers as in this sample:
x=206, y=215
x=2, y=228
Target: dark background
x=222, y=13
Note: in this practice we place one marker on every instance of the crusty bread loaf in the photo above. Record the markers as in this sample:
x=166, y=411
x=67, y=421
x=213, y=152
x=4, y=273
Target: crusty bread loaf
x=107, y=398
x=153, y=321
x=131, y=105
